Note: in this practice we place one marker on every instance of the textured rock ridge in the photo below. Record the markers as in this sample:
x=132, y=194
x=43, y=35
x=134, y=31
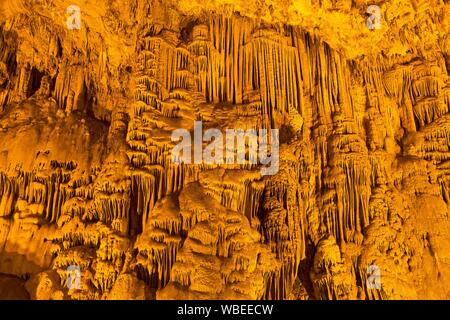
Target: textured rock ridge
x=88, y=182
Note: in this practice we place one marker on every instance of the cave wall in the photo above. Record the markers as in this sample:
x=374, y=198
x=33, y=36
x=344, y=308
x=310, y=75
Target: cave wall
x=87, y=178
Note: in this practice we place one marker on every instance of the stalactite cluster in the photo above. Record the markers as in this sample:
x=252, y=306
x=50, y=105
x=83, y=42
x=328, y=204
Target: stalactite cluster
x=88, y=183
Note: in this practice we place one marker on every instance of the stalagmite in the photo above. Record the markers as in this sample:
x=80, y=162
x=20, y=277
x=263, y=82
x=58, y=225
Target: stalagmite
x=357, y=205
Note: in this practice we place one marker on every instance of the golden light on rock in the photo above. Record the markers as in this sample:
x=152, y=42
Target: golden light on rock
x=226, y=149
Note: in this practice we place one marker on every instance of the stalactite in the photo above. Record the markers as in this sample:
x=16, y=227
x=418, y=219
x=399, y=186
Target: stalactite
x=363, y=177
x=8, y=195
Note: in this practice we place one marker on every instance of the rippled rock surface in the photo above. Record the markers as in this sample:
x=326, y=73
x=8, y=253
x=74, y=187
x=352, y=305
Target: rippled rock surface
x=92, y=205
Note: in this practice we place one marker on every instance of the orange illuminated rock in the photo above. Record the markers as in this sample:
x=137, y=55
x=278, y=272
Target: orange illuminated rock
x=93, y=205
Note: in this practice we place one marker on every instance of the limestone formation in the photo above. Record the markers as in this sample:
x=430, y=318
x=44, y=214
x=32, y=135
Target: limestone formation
x=93, y=205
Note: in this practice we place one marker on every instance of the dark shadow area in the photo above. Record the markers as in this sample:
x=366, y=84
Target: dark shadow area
x=12, y=288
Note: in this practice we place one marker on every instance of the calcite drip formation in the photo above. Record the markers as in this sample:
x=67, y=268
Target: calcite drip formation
x=87, y=178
